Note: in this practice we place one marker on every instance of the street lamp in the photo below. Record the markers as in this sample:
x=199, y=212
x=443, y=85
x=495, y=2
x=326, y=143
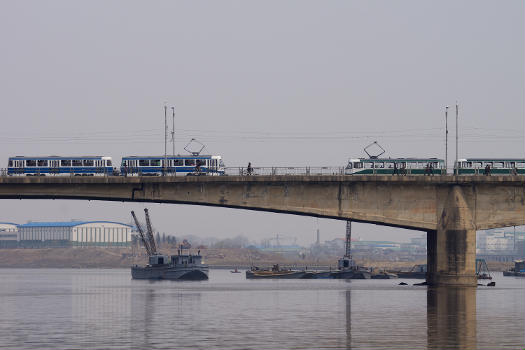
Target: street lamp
x=446, y=139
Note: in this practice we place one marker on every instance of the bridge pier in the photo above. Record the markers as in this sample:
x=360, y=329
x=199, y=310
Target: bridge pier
x=451, y=249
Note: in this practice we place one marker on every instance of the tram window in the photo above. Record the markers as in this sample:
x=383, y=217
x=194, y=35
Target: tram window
x=489, y=164
x=143, y=162
x=178, y=162
x=478, y=165
x=189, y=162
x=10, y=163
x=467, y=165
x=498, y=165
x=108, y=162
x=520, y=165
x=88, y=162
x=369, y=165
x=358, y=165
x=76, y=162
x=155, y=162
x=30, y=162
x=65, y=162
x=389, y=165
x=42, y=162
x=380, y=165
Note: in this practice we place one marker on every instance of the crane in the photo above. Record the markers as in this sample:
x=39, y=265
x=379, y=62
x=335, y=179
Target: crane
x=141, y=233
x=151, y=239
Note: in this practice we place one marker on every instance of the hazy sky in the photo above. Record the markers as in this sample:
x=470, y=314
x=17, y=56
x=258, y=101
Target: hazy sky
x=275, y=83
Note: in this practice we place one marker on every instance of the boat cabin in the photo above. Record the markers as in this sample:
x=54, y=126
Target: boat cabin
x=519, y=265
x=346, y=263
x=159, y=260
x=186, y=259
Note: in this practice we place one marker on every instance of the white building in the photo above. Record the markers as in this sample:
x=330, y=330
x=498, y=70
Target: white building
x=74, y=233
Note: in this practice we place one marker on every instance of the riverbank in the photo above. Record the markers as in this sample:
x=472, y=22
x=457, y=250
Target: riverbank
x=123, y=257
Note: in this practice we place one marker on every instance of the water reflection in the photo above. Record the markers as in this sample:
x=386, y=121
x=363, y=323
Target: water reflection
x=348, y=314
x=451, y=318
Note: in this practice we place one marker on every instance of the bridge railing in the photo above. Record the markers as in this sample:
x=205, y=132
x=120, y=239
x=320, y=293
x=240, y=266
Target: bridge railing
x=283, y=171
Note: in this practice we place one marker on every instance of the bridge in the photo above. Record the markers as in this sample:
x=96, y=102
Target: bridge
x=449, y=208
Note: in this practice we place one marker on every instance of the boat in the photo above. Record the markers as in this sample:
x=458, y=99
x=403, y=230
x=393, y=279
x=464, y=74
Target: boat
x=417, y=271
x=383, y=275
x=346, y=266
x=517, y=271
x=165, y=267
x=175, y=267
x=277, y=272
x=346, y=269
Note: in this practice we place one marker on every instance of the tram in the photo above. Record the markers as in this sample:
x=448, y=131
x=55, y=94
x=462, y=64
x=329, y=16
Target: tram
x=58, y=165
x=175, y=165
x=491, y=166
x=401, y=166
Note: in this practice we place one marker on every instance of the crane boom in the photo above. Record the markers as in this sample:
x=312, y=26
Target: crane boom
x=141, y=232
x=153, y=246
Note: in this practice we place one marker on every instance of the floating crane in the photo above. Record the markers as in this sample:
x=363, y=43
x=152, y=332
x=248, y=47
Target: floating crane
x=147, y=238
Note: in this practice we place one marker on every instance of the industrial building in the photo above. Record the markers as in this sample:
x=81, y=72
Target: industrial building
x=74, y=233
x=8, y=235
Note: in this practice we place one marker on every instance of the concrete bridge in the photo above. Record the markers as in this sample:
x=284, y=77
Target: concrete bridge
x=449, y=208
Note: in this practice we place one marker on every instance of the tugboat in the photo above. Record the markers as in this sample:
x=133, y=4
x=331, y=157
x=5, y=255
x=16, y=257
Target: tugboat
x=175, y=267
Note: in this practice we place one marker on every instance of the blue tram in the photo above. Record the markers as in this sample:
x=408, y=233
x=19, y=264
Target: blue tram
x=175, y=165
x=58, y=165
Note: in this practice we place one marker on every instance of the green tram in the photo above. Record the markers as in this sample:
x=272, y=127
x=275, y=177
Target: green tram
x=495, y=166
x=401, y=166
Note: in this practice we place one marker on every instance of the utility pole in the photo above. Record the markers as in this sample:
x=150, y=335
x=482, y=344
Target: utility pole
x=446, y=139
x=165, y=138
x=456, y=171
x=173, y=130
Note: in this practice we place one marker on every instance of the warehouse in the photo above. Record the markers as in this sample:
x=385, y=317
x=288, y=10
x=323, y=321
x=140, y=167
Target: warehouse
x=8, y=235
x=74, y=233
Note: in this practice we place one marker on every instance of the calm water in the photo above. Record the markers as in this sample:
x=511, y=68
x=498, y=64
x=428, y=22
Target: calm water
x=105, y=309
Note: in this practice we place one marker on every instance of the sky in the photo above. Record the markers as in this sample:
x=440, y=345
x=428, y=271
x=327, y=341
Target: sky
x=274, y=83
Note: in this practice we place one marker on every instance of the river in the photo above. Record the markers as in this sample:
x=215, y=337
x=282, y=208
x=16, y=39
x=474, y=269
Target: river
x=106, y=309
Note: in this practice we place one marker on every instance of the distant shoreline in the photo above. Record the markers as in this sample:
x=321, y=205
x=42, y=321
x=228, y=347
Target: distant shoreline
x=226, y=258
